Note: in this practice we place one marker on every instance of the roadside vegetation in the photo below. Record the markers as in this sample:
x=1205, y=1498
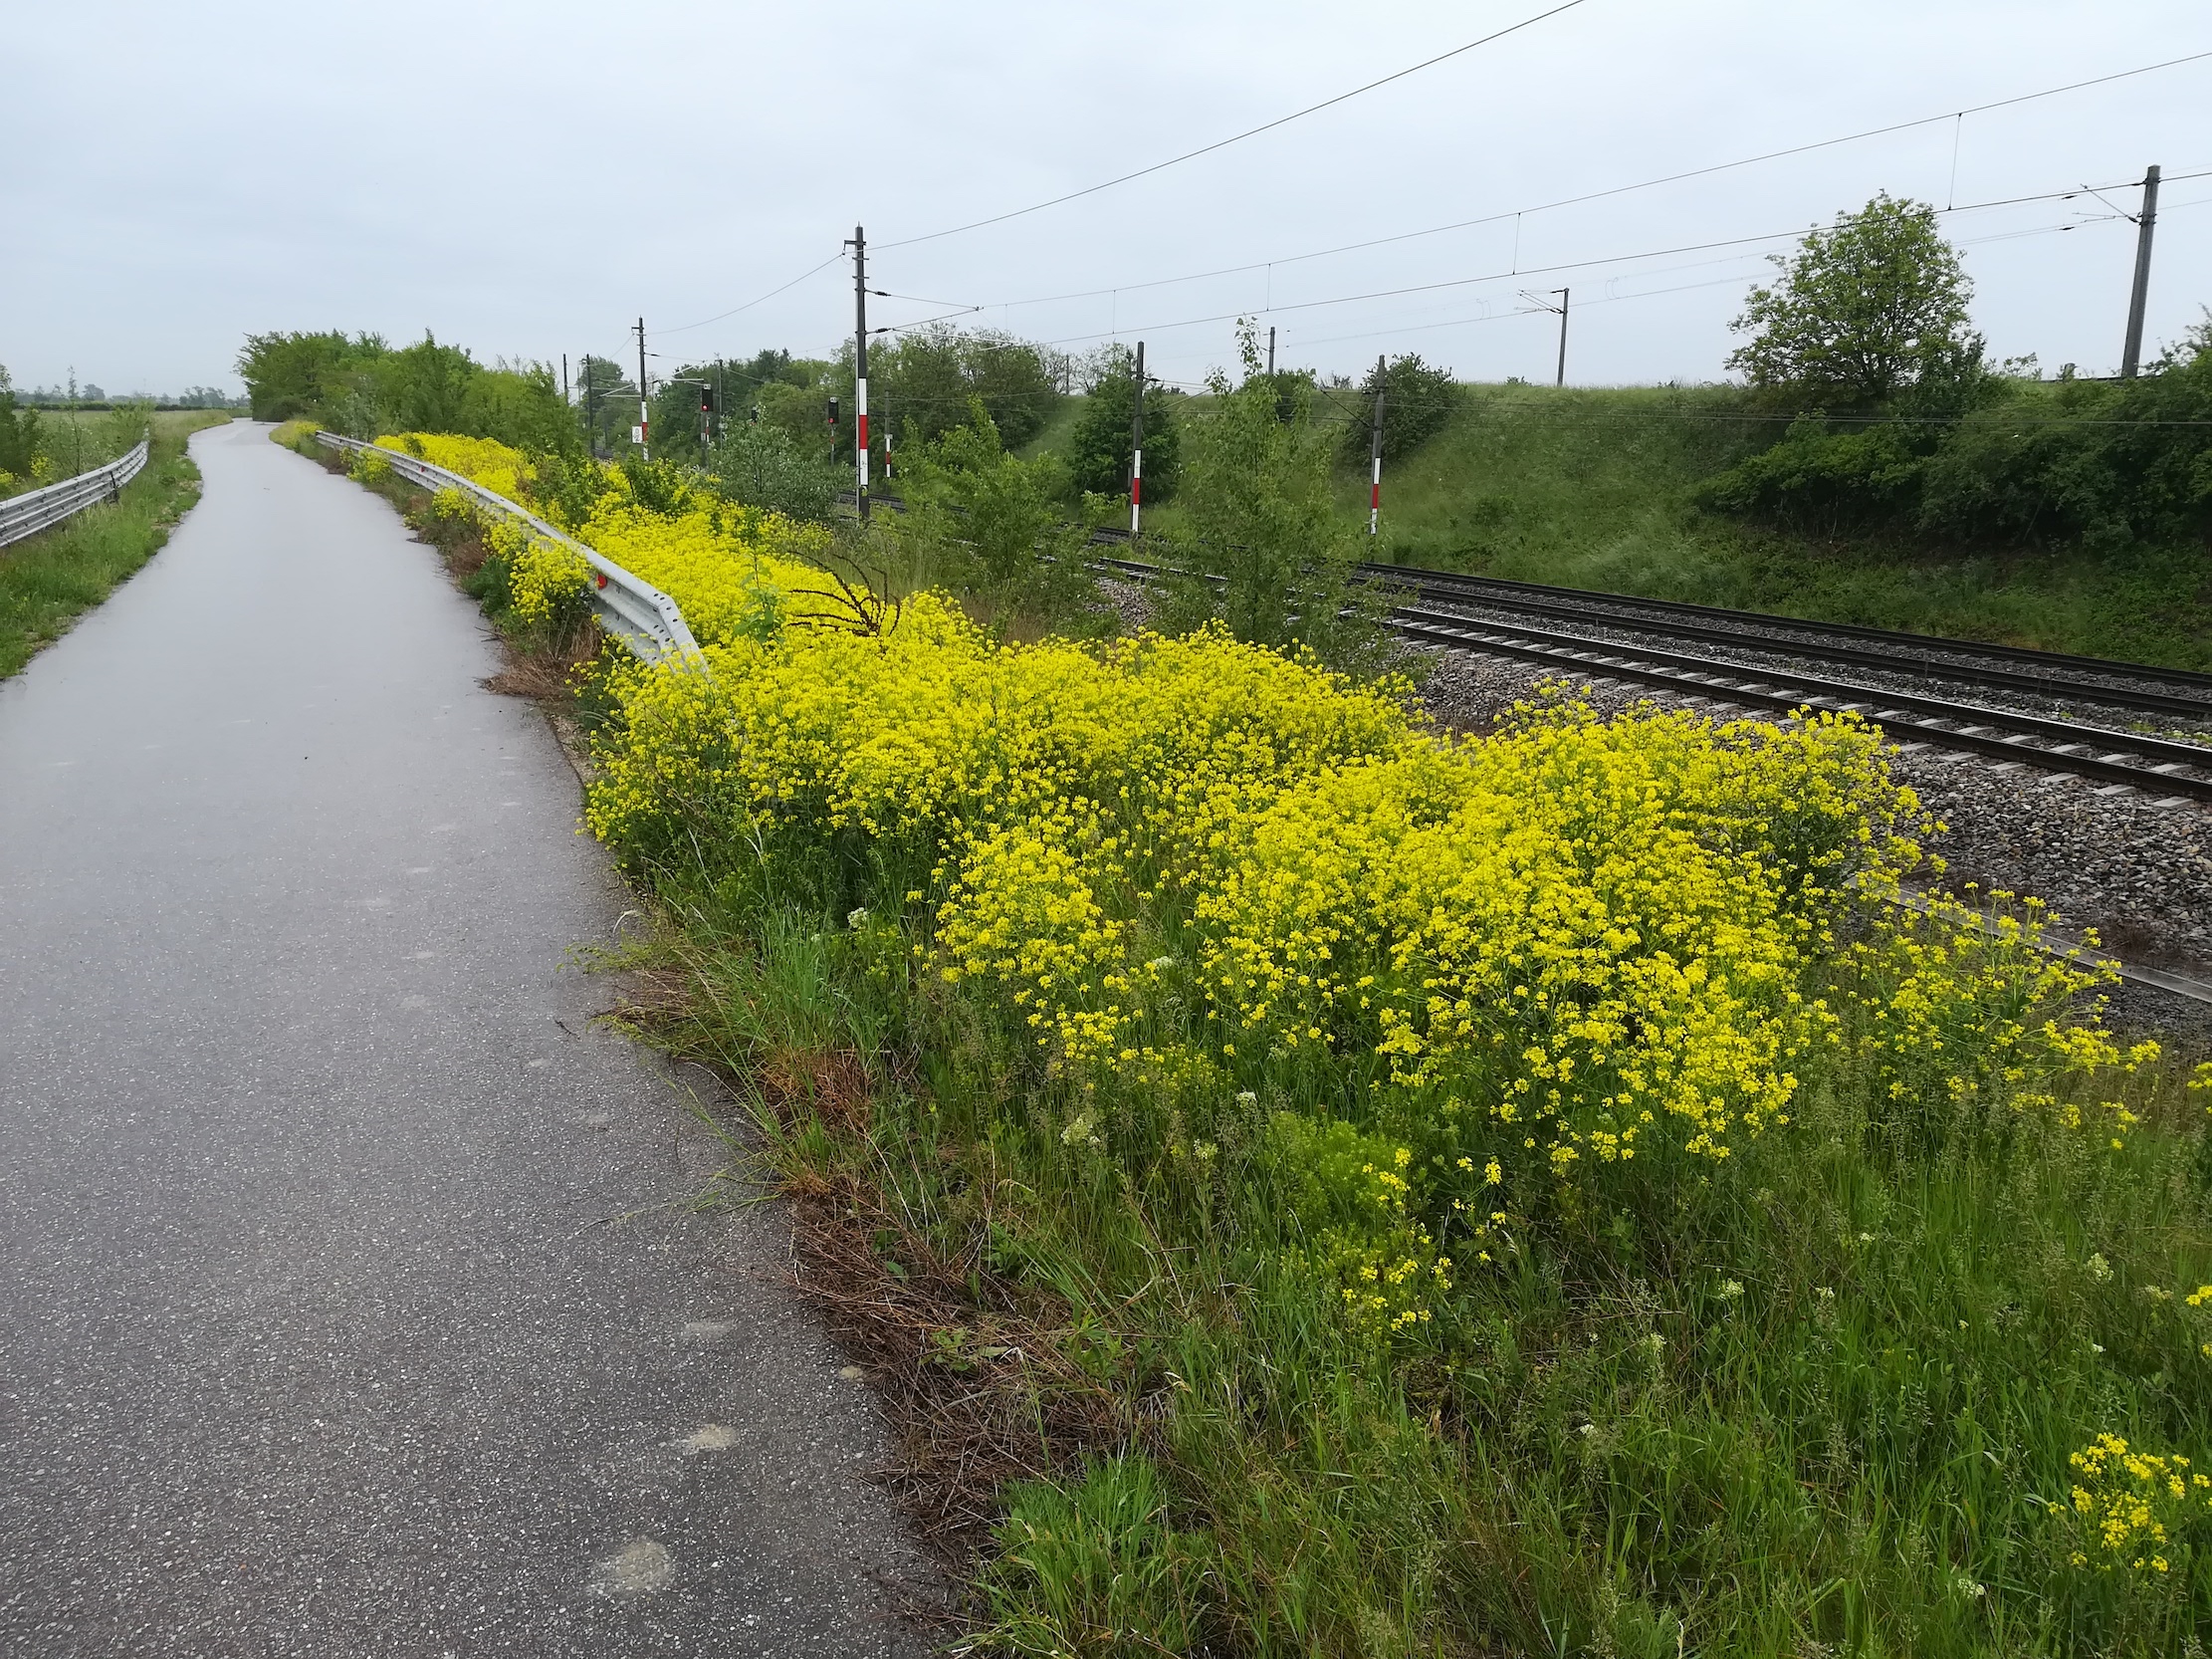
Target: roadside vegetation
x=50, y=579
x=1307, y=1183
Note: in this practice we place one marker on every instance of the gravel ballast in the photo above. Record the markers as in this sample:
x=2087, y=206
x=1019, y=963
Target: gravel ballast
x=2139, y=872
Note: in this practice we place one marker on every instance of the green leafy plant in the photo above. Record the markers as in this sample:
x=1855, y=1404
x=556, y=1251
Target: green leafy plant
x=1868, y=309
x=1257, y=518
x=1099, y=451
x=994, y=522
x=1419, y=401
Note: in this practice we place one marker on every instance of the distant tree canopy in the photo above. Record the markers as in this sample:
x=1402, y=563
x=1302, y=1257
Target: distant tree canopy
x=1098, y=454
x=19, y=435
x=361, y=386
x=1863, y=313
x=739, y=386
x=923, y=383
x=1418, y=401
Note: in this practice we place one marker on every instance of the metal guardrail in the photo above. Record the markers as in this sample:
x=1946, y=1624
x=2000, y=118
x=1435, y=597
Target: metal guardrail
x=33, y=510
x=637, y=613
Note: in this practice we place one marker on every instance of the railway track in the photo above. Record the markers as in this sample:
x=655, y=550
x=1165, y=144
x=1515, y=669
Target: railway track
x=2166, y=769
x=2051, y=674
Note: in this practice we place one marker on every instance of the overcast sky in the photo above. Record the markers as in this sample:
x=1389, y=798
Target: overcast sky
x=525, y=179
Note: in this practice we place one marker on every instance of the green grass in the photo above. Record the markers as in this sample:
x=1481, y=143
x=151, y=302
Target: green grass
x=47, y=582
x=1059, y=428
x=1815, y=1403
x=1589, y=489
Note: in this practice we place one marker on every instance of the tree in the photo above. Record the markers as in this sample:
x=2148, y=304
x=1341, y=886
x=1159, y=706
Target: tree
x=1417, y=403
x=927, y=380
x=1098, y=452
x=18, y=436
x=762, y=465
x=1864, y=313
x=1261, y=514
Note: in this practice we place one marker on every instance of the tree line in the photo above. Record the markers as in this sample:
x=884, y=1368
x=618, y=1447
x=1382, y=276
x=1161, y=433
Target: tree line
x=1870, y=406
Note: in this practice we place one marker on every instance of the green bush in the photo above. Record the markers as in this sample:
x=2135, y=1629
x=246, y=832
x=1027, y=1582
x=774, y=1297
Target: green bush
x=363, y=386
x=2100, y=465
x=1418, y=402
x=2097, y=465
x=994, y=522
x=1099, y=449
x=762, y=464
x=19, y=438
x=1823, y=481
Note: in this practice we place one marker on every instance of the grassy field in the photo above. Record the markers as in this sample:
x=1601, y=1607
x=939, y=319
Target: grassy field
x=1058, y=429
x=1588, y=489
x=49, y=580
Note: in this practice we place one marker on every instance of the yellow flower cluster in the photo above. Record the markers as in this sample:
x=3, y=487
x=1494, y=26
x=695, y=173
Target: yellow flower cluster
x=1588, y=928
x=1959, y=1037
x=1574, y=952
x=2132, y=1508
x=1389, y=1268
x=734, y=572
x=1583, y=937
x=483, y=461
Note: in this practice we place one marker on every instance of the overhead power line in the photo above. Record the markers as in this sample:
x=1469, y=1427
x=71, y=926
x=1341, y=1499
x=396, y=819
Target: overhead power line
x=1530, y=271
x=1616, y=189
x=750, y=304
x=1236, y=137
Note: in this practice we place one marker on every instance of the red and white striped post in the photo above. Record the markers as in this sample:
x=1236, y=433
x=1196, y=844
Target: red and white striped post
x=1136, y=448
x=1375, y=459
x=860, y=366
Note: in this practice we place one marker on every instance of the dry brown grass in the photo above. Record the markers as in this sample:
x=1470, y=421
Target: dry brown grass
x=982, y=1378
x=973, y=1373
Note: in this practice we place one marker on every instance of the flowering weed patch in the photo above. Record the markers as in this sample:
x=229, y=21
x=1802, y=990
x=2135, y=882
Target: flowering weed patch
x=1511, y=1187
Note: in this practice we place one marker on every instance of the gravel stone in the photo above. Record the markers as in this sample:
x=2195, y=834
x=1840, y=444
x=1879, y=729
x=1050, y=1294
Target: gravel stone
x=2136, y=870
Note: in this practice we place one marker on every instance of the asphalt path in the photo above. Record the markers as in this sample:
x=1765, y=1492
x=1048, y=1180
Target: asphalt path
x=350, y=1297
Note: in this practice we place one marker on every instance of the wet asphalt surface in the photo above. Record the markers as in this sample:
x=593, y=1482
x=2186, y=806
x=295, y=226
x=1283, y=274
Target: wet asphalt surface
x=349, y=1298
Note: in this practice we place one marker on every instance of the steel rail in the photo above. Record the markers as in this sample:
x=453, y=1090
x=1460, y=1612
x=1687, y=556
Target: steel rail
x=2166, y=769
x=2051, y=674
x=1704, y=678
x=645, y=620
x=36, y=510
x=1889, y=702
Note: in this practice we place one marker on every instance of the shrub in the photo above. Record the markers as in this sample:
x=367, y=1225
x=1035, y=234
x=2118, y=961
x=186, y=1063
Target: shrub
x=1823, y=481
x=1418, y=402
x=1099, y=450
